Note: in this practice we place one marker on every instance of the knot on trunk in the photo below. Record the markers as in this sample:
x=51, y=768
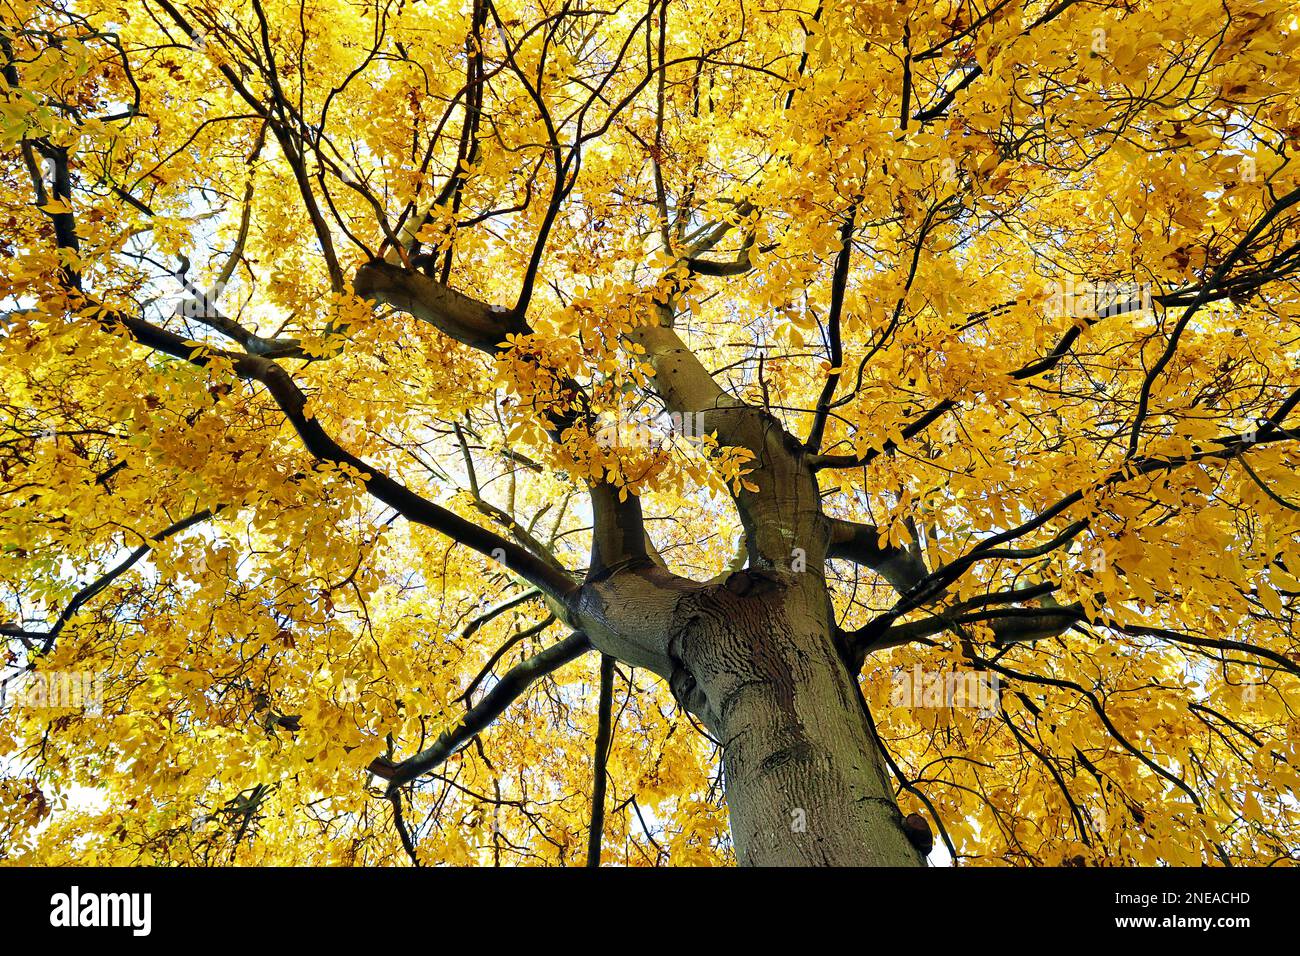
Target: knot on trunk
x=917, y=830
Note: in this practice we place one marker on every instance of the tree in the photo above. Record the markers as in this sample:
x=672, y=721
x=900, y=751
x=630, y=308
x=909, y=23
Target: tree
x=457, y=433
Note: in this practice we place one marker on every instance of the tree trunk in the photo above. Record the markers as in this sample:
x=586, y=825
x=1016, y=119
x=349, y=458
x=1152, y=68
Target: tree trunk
x=804, y=779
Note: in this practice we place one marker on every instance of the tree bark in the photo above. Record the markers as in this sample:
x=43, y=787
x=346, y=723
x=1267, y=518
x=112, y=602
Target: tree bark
x=755, y=660
x=804, y=779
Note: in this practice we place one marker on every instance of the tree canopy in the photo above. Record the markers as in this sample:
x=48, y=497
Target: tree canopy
x=334, y=332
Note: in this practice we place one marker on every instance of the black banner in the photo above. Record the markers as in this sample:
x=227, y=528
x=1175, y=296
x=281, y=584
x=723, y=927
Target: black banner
x=148, y=907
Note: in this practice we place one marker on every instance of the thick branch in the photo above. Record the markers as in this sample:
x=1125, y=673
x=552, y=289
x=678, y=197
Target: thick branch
x=464, y=319
x=860, y=543
x=618, y=534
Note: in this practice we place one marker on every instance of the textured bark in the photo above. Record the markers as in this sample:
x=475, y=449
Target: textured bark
x=754, y=659
x=804, y=780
